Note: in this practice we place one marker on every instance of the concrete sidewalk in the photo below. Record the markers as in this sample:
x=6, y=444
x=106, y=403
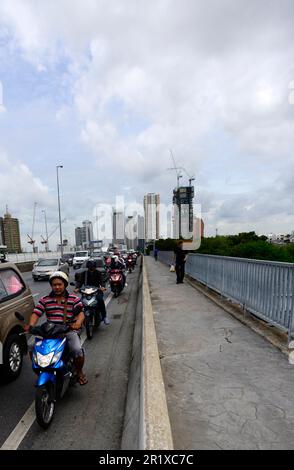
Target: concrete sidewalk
x=226, y=387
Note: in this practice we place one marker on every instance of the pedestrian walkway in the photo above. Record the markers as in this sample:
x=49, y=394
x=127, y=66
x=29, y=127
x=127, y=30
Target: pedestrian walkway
x=226, y=387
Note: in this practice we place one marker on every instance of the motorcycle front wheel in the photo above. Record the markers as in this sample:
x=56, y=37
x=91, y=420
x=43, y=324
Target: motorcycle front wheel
x=89, y=324
x=117, y=291
x=44, y=407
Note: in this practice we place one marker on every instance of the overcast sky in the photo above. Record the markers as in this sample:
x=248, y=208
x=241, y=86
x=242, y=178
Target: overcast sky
x=106, y=88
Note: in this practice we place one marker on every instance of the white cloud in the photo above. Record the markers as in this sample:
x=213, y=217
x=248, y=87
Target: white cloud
x=149, y=76
x=20, y=189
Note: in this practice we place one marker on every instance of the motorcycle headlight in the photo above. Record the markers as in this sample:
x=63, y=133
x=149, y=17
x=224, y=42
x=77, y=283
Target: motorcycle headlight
x=57, y=357
x=44, y=360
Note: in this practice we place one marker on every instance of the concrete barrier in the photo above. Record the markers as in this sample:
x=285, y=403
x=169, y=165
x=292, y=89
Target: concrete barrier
x=146, y=424
x=156, y=432
x=26, y=266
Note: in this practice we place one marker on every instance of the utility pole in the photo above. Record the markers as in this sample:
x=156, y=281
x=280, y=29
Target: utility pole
x=60, y=228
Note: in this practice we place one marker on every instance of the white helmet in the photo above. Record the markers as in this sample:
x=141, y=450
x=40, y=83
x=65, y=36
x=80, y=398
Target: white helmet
x=115, y=258
x=59, y=275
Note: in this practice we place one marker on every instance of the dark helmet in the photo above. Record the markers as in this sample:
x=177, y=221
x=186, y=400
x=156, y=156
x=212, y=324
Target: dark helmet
x=91, y=264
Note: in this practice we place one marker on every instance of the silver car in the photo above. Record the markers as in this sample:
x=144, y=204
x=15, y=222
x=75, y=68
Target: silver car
x=46, y=267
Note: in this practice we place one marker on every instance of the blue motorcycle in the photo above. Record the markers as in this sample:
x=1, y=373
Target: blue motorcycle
x=53, y=366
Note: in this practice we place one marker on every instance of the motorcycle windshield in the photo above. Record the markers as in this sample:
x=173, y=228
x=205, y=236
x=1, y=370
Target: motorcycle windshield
x=47, y=346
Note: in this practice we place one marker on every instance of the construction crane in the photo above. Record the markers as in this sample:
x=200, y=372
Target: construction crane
x=179, y=174
x=178, y=169
x=31, y=237
x=45, y=240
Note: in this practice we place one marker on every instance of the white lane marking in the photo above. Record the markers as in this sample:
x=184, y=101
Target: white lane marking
x=22, y=428
x=35, y=295
x=19, y=432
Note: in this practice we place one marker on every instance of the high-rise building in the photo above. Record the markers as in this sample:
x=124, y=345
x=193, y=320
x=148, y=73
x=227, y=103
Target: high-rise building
x=87, y=224
x=152, y=214
x=1, y=231
x=79, y=236
x=118, y=227
x=84, y=235
x=10, y=233
x=183, y=212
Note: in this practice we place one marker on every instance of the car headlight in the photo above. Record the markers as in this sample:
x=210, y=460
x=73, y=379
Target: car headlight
x=44, y=360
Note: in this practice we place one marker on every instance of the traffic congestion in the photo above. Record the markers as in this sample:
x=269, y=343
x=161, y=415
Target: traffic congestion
x=38, y=360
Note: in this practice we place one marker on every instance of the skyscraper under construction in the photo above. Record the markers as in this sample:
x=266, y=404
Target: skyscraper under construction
x=9, y=233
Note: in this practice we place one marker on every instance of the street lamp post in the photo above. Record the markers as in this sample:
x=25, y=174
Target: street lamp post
x=60, y=228
x=47, y=241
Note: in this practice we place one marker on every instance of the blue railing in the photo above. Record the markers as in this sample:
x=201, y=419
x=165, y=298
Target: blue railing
x=264, y=288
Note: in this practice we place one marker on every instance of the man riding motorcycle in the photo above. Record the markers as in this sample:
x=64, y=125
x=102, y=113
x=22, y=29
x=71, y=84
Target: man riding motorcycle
x=59, y=308
x=92, y=277
x=117, y=263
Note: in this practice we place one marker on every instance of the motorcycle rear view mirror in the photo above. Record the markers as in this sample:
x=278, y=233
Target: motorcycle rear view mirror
x=72, y=284
x=19, y=316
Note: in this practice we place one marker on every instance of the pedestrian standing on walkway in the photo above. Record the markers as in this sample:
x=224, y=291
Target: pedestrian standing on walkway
x=179, y=261
x=155, y=254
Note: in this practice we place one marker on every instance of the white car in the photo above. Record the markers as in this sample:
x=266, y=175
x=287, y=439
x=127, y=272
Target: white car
x=79, y=258
x=47, y=266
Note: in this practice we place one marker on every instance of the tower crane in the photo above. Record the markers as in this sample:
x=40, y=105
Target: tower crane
x=45, y=240
x=179, y=174
x=178, y=169
x=31, y=238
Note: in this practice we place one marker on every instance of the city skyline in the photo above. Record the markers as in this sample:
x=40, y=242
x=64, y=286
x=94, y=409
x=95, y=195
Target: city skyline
x=203, y=81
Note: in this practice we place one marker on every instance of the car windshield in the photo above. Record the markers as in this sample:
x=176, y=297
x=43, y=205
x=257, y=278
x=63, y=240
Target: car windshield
x=48, y=262
x=80, y=254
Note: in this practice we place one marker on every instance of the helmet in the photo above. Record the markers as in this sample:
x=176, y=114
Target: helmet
x=114, y=257
x=91, y=264
x=59, y=275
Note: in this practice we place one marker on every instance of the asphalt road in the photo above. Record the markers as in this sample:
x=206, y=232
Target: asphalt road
x=88, y=417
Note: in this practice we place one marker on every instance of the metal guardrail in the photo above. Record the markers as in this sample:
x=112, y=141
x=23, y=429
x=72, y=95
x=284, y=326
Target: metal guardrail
x=264, y=288
x=23, y=257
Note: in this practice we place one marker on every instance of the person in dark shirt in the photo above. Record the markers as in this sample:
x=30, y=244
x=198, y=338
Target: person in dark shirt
x=179, y=260
x=92, y=277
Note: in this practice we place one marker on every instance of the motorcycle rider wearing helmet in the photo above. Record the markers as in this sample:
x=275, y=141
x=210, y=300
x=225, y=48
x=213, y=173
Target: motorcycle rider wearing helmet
x=92, y=277
x=59, y=307
x=117, y=263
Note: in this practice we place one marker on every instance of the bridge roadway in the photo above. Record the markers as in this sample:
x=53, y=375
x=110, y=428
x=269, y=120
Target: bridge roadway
x=88, y=417
x=226, y=386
